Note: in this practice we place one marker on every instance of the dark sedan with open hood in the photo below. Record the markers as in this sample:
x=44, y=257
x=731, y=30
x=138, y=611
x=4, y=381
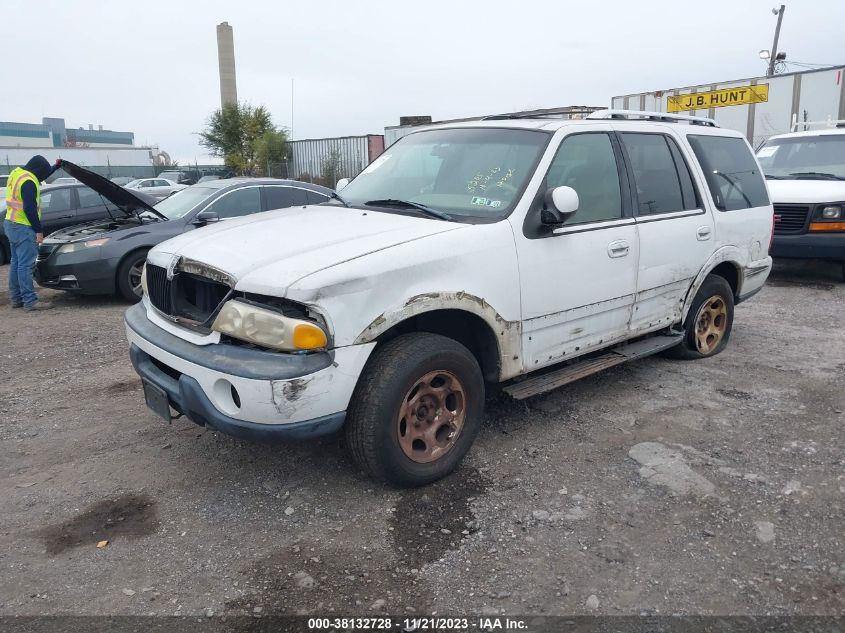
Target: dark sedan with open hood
x=107, y=257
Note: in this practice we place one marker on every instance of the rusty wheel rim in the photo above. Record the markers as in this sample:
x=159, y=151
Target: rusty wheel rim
x=431, y=417
x=710, y=324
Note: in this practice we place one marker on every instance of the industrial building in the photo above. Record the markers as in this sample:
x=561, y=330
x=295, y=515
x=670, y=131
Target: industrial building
x=408, y=124
x=759, y=107
x=53, y=132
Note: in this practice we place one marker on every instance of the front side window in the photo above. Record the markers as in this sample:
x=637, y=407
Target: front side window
x=465, y=172
x=818, y=157
x=662, y=180
x=734, y=180
x=237, y=203
x=183, y=202
x=89, y=198
x=586, y=163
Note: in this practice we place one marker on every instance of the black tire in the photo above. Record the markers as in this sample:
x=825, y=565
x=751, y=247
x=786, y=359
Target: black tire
x=4, y=259
x=689, y=349
x=6, y=250
x=373, y=423
x=126, y=275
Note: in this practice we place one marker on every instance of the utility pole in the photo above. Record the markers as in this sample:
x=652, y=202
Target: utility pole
x=774, y=52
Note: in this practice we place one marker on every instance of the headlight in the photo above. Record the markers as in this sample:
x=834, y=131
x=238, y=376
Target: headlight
x=79, y=246
x=144, y=279
x=267, y=328
x=831, y=212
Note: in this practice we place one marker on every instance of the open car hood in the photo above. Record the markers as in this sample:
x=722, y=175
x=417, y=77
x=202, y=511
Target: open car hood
x=128, y=202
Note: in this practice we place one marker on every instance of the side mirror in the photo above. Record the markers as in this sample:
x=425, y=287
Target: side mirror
x=204, y=217
x=341, y=184
x=561, y=204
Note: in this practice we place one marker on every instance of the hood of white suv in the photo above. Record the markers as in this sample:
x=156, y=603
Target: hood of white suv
x=806, y=191
x=266, y=253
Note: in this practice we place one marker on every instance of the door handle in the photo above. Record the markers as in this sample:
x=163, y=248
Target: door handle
x=618, y=248
x=63, y=217
x=703, y=233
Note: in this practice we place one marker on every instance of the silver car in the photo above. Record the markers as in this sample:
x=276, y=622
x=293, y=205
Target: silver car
x=157, y=187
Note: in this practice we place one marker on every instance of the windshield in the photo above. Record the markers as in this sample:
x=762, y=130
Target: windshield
x=133, y=183
x=478, y=173
x=183, y=202
x=807, y=156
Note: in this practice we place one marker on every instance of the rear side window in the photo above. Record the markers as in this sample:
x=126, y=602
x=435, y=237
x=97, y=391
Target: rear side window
x=279, y=197
x=315, y=198
x=732, y=174
x=662, y=179
x=55, y=201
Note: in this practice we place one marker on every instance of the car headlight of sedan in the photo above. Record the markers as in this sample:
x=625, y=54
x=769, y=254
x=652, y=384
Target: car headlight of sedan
x=268, y=328
x=73, y=247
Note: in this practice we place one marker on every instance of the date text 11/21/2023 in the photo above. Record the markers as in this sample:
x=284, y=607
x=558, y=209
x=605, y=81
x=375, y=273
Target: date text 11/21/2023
x=432, y=623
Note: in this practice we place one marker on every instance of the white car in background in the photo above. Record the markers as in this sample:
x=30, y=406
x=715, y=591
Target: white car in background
x=805, y=172
x=157, y=187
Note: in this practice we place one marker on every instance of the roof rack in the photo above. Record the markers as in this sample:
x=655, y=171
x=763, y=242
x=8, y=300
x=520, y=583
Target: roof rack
x=807, y=125
x=642, y=115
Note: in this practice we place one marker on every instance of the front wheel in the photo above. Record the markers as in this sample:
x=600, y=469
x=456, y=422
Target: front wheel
x=707, y=328
x=416, y=410
x=129, y=276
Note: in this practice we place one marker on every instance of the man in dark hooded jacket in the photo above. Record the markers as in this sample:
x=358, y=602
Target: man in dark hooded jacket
x=23, y=229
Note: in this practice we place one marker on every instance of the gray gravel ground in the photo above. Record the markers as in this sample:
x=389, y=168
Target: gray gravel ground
x=708, y=487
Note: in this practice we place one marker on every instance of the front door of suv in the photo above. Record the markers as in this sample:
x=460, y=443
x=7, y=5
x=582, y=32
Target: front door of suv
x=676, y=231
x=579, y=279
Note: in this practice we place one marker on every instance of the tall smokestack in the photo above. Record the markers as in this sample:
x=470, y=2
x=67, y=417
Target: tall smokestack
x=226, y=61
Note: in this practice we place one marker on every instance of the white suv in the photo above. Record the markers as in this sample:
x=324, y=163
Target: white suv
x=514, y=251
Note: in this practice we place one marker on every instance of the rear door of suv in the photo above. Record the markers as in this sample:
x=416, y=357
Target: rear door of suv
x=675, y=227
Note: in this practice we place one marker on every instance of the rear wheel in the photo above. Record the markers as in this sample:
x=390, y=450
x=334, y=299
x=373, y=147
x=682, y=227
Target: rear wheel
x=4, y=251
x=416, y=410
x=129, y=276
x=707, y=328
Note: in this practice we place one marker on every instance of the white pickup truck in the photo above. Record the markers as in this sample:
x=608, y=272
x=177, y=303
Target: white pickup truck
x=519, y=252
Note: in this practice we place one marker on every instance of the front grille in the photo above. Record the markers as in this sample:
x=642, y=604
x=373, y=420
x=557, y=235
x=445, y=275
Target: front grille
x=790, y=218
x=186, y=295
x=158, y=288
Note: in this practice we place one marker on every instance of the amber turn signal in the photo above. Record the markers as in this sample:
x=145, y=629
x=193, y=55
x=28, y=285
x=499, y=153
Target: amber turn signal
x=827, y=226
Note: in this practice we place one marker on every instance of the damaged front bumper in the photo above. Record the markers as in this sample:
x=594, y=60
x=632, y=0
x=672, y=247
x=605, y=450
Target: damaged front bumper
x=244, y=392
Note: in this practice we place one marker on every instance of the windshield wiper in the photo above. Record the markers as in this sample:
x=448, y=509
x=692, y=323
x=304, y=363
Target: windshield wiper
x=336, y=196
x=818, y=174
x=407, y=204
x=770, y=177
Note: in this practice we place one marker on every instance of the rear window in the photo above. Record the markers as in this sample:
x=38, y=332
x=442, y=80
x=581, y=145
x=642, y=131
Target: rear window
x=732, y=173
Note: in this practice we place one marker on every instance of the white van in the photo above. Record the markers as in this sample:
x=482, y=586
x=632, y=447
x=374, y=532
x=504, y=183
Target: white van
x=520, y=252
x=806, y=177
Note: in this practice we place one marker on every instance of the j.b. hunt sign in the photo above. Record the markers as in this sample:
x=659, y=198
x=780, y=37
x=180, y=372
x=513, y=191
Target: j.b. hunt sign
x=718, y=98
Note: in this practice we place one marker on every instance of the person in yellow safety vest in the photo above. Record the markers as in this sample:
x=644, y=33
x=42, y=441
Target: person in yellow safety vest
x=23, y=229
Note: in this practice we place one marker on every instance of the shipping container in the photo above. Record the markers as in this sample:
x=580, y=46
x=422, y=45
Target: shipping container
x=759, y=107
x=330, y=159
x=109, y=162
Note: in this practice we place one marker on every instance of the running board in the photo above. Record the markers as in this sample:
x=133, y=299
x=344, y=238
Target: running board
x=618, y=355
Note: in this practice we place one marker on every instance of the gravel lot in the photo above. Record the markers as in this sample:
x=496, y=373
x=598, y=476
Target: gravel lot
x=708, y=487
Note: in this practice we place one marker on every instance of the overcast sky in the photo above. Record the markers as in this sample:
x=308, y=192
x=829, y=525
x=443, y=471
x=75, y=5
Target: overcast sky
x=151, y=67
